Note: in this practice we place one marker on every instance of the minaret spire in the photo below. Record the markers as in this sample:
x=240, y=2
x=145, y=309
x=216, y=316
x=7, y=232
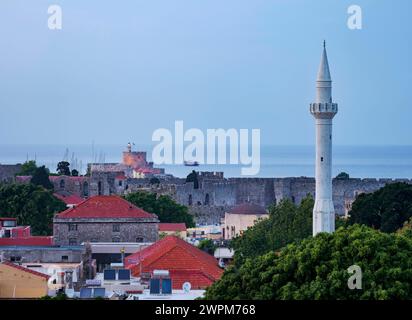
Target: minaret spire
x=323, y=110
x=324, y=80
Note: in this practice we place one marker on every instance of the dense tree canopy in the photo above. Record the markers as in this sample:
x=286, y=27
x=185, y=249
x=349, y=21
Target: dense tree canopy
x=31, y=205
x=406, y=229
x=163, y=206
x=63, y=168
x=385, y=209
x=316, y=268
x=41, y=178
x=208, y=246
x=28, y=168
x=342, y=176
x=287, y=222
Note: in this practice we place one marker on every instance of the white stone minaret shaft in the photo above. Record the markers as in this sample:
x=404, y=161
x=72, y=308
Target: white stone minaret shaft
x=323, y=110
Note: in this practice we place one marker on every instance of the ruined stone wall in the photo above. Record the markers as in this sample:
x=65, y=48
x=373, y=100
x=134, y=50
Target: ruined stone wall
x=216, y=194
x=344, y=191
x=8, y=172
x=73, y=185
x=227, y=193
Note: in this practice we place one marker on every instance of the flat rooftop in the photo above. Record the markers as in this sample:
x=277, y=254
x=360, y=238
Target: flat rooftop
x=49, y=248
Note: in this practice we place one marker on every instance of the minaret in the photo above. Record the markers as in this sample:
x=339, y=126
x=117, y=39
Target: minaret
x=323, y=110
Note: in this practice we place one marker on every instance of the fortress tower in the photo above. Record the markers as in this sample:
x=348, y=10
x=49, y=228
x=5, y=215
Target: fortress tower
x=323, y=110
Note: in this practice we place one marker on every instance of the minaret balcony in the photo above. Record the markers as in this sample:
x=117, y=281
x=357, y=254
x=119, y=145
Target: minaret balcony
x=324, y=109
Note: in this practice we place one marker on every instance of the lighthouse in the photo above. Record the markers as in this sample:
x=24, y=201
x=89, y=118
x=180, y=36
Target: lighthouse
x=323, y=109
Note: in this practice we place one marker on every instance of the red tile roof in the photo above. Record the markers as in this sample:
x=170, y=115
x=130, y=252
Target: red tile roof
x=23, y=179
x=39, y=274
x=69, y=198
x=184, y=261
x=8, y=219
x=105, y=207
x=248, y=208
x=177, y=227
x=27, y=241
x=197, y=278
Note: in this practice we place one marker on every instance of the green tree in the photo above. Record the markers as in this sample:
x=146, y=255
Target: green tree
x=28, y=168
x=154, y=180
x=207, y=245
x=75, y=173
x=41, y=178
x=342, y=176
x=287, y=222
x=163, y=206
x=385, y=209
x=63, y=168
x=193, y=177
x=316, y=268
x=31, y=205
x=406, y=229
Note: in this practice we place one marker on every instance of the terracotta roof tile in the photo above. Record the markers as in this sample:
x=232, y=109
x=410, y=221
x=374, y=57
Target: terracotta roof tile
x=39, y=274
x=105, y=207
x=27, y=241
x=248, y=208
x=69, y=198
x=183, y=260
x=172, y=227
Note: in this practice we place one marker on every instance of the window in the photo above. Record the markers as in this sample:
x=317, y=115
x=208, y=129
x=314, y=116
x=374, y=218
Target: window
x=65, y=258
x=190, y=202
x=72, y=227
x=62, y=184
x=9, y=223
x=321, y=159
x=116, y=228
x=15, y=258
x=72, y=241
x=100, y=188
x=139, y=239
x=120, y=183
x=116, y=239
x=85, y=189
x=207, y=199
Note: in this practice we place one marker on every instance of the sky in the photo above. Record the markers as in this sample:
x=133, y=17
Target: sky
x=119, y=70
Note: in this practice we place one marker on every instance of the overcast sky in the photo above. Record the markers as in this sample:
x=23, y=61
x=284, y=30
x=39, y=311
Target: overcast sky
x=118, y=70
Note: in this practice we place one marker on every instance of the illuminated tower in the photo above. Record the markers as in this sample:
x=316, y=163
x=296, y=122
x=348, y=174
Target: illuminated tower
x=323, y=110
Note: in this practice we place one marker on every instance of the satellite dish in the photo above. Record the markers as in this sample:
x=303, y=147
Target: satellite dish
x=186, y=287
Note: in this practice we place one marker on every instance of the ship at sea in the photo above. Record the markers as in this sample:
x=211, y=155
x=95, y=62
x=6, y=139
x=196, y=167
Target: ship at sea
x=191, y=163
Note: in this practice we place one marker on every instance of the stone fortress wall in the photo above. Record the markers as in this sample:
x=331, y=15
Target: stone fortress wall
x=213, y=197
x=8, y=171
x=215, y=194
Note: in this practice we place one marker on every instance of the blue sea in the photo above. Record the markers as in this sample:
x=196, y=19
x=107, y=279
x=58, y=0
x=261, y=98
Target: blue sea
x=276, y=161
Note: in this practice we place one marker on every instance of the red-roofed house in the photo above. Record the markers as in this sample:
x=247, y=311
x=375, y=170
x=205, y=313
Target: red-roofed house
x=20, y=282
x=177, y=229
x=185, y=263
x=104, y=219
x=13, y=235
x=69, y=199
